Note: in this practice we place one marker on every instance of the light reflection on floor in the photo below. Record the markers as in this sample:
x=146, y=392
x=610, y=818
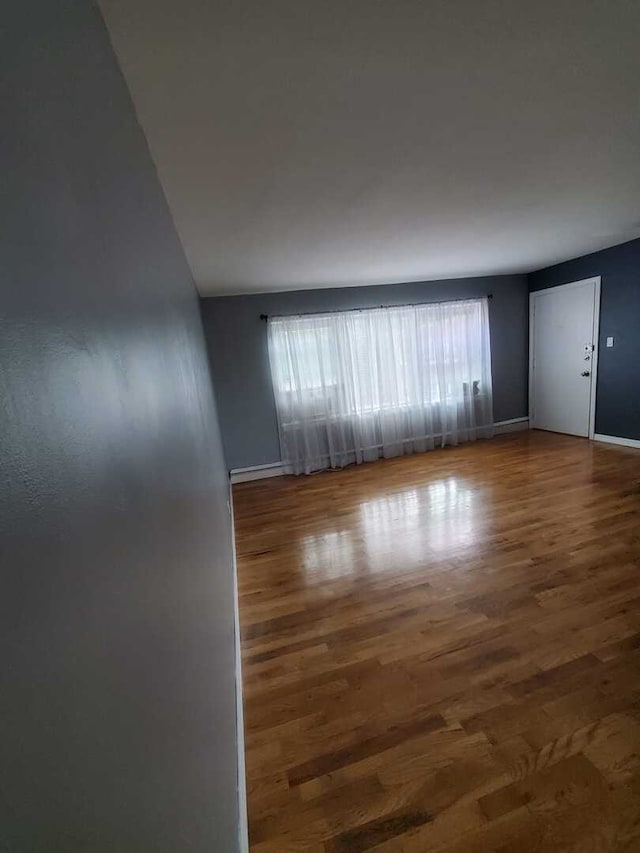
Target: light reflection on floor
x=411, y=527
x=328, y=555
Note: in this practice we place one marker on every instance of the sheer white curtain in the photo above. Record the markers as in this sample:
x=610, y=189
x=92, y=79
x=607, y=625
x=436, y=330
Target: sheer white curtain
x=352, y=386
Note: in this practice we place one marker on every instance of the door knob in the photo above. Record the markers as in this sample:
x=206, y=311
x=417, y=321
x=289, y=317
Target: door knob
x=586, y=373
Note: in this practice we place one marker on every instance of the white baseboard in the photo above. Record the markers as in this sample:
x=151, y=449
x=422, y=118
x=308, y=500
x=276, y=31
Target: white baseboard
x=512, y=425
x=614, y=439
x=275, y=469
x=256, y=472
x=243, y=815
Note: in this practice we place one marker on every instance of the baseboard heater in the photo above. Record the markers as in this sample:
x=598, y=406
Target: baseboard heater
x=274, y=469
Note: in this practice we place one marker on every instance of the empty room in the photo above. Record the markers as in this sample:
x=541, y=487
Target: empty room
x=320, y=387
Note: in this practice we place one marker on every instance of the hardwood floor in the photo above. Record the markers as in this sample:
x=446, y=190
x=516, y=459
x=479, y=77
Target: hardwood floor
x=442, y=652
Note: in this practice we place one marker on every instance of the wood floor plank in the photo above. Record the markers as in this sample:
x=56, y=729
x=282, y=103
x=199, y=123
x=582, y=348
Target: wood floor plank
x=442, y=652
x=331, y=761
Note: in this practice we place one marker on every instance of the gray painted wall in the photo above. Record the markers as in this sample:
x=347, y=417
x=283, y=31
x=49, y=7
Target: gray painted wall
x=117, y=678
x=237, y=343
x=618, y=390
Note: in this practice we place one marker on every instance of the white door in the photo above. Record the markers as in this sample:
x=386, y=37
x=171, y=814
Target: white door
x=563, y=339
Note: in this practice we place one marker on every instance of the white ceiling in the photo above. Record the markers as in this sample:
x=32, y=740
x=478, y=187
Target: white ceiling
x=315, y=143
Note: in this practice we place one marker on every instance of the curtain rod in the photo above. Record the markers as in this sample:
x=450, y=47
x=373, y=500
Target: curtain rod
x=373, y=307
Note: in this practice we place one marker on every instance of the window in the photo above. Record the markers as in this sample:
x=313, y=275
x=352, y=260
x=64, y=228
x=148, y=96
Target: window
x=405, y=374
x=311, y=347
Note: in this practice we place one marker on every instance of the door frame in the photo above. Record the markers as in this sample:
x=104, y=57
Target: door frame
x=595, y=336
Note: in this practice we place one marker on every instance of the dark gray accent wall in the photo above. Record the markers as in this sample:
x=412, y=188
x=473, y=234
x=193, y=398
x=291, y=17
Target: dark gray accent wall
x=237, y=342
x=618, y=388
x=117, y=729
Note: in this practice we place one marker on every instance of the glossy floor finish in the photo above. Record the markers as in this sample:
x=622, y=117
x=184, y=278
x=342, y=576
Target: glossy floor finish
x=442, y=652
